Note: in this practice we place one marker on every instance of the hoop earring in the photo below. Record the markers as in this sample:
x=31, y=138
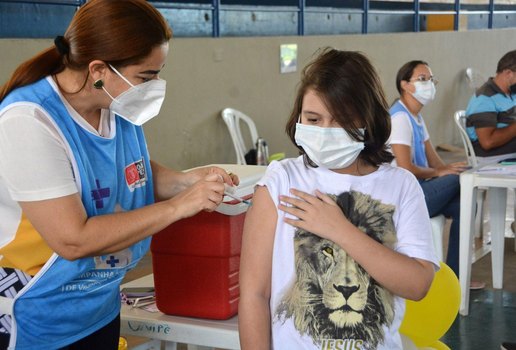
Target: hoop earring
x=98, y=84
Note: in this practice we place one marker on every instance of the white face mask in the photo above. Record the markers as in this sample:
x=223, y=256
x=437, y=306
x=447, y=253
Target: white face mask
x=139, y=103
x=425, y=91
x=331, y=148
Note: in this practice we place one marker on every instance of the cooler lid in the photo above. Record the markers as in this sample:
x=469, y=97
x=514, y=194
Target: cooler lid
x=249, y=175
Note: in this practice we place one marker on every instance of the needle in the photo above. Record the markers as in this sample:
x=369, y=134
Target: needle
x=245, y=201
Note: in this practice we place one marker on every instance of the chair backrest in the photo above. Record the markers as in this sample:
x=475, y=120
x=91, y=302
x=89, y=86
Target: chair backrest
x=460, y=121
x=233, y=118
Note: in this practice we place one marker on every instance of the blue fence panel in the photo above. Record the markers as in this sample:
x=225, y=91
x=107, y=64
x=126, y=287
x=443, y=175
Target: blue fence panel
x=201, y=18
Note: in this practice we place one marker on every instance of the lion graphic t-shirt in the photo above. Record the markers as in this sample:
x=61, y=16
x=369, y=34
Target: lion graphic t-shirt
x=320, y=297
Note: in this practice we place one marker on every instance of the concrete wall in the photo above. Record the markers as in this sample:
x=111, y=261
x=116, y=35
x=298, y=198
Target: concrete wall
x=205, y=75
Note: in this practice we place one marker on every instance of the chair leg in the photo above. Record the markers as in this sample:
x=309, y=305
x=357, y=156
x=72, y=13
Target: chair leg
x=513, y=223
x=437, y=235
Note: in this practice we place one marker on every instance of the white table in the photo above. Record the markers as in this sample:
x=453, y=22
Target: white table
x=172, y=329
x=497, y=183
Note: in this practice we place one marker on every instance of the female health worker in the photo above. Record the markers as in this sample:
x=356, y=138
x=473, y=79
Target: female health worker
x=79, y=195
x=414, y=151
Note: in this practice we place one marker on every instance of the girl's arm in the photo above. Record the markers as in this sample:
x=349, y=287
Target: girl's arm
x=404, y=276
x=255, y=272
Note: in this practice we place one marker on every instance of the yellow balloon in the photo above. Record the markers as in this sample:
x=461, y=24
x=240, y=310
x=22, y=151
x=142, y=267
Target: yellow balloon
x=427, y=320
x=439, y=345
x=122, y=343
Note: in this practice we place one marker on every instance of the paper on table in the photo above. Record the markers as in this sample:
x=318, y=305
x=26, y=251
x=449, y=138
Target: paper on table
x=498, y=169
x=151, y=308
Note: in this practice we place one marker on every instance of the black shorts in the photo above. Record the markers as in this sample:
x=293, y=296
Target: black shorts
x=106, y=338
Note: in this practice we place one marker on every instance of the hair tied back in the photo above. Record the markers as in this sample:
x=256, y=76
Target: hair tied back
x=61, y=45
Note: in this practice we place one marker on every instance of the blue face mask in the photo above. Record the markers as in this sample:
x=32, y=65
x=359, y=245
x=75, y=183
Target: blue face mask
x=330, y=148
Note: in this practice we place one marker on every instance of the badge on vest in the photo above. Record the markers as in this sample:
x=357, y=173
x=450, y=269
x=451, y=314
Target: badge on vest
x=135, y=175
x=116, y=260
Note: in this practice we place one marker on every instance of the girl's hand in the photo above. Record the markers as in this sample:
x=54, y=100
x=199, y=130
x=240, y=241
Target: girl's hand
x=318, y=214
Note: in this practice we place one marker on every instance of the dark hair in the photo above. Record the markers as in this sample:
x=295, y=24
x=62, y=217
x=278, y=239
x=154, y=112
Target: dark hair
x=508, y=61
x=406, y=71
x=119, y=32
x=353, y=94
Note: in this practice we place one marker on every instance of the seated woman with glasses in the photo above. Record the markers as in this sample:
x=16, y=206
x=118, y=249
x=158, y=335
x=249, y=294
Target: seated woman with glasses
x=413, y=150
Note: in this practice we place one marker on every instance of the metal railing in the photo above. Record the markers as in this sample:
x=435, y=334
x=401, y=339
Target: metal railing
x=364, y=11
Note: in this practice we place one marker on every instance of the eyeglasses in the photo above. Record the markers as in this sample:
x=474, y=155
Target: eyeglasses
x=423, y=78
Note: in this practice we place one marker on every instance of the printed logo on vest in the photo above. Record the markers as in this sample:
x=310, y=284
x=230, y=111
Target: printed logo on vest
x=98, y=194
x=108, y=269
x=135, y=175
x=115, y=260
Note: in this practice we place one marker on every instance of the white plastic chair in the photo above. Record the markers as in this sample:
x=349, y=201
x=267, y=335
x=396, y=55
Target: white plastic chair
x=460, y=121
x=233, y=118
x=475, y=78
x=437, y=234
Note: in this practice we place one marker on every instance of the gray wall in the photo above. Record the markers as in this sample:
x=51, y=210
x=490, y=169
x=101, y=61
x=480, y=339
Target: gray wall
x=205, y=75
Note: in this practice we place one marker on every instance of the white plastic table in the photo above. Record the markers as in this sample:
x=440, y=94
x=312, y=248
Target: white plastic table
x=172, y=329
x=497, y=181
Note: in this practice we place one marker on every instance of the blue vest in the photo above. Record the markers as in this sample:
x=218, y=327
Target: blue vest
x=68, y=300
x=419, y=154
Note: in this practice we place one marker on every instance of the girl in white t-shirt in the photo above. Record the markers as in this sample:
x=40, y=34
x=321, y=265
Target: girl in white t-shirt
x=336, y=238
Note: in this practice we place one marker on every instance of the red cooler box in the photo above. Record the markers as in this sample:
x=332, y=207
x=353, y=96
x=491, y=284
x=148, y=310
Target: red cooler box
x=196, y=260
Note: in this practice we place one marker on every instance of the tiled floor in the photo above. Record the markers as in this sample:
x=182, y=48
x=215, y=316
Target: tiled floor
x=492, y=316
x=492, y=313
